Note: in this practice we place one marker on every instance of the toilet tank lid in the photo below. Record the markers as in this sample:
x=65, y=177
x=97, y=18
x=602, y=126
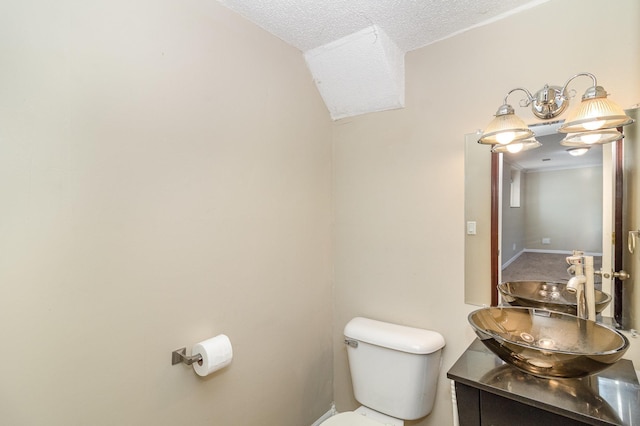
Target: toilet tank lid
x=393, y=336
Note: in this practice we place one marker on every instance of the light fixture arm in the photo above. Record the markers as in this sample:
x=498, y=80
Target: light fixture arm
x=594, y=91
x=586, y=74
x=526, y=101
x=506, y=108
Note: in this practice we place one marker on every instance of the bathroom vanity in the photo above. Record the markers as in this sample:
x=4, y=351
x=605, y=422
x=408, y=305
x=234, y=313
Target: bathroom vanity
x=491, y=392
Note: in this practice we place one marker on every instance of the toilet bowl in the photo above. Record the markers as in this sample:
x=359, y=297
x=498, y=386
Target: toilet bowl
x=350, y=418
x=363, y=416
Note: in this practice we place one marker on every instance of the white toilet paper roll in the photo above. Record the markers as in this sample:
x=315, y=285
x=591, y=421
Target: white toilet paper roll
x=216, y=354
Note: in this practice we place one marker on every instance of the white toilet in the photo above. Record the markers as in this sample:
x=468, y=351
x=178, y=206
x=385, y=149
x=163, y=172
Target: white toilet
x=394, y=371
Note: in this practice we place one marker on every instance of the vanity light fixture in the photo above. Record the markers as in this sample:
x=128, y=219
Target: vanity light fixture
x=576, y=152
x=596, y=115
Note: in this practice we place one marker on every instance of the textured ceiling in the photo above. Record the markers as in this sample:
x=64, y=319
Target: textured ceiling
x=355, y=48
x=411, y=24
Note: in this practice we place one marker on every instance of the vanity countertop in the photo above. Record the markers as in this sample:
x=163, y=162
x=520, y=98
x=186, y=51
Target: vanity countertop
x=611, y=397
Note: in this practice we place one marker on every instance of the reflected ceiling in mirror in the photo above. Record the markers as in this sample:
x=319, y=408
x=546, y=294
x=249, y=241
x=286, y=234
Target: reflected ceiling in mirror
x=551, y=155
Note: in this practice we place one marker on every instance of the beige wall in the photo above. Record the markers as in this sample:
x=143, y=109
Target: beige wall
x=399, y=174
x=513, y=218
x=477, y=208
x=562, y=205
x=565, y=206
x=165, y=177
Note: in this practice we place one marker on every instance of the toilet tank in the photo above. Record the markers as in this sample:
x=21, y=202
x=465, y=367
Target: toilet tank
x=394, y=368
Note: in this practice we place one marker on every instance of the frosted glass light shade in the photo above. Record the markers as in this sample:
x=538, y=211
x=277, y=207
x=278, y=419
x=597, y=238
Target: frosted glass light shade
x=504, y=129
x=595, y=113
x=598, y=137
x=517, y=146
x=576, y=152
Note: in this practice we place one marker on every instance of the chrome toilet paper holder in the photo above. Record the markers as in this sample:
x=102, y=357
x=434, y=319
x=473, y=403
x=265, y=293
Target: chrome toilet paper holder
x=180, y=356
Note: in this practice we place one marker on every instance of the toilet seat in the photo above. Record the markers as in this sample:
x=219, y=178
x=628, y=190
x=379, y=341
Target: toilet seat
x=350, y=418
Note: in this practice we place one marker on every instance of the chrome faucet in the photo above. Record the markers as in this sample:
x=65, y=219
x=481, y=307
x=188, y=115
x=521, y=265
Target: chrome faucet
x=583, y=285
x=577, y=285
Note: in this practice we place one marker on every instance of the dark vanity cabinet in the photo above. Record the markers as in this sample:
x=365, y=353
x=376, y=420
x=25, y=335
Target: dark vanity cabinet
x=492, y=393
x=477, y=407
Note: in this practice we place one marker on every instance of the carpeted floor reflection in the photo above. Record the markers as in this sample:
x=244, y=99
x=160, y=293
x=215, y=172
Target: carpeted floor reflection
x=531, y=266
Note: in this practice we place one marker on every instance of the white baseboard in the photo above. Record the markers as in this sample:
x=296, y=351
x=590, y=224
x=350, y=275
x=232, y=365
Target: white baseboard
x=510, y=261
x=332, y=411
x=567, y=252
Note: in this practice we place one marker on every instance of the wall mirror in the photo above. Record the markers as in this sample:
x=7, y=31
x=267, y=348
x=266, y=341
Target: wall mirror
x=549, y=203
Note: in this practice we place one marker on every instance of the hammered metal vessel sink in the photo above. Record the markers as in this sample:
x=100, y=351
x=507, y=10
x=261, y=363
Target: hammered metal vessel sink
x=547, y=295
x=548, y=344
